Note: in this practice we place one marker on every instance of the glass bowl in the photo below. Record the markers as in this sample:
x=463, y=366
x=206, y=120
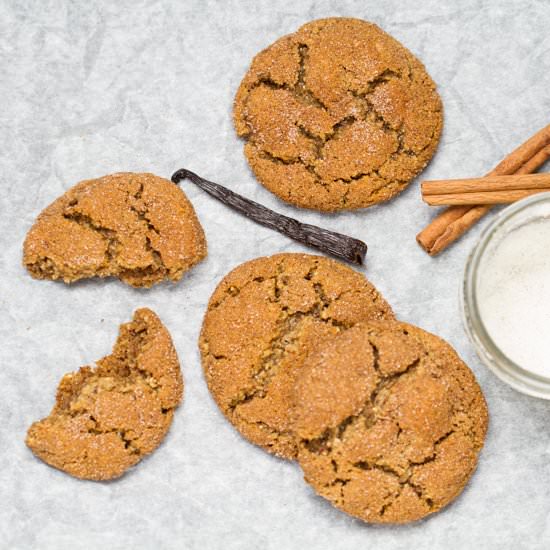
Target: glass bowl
x=530, y=210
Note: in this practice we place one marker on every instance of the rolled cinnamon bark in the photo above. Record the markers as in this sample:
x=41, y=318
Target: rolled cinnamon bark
x=515, y=182
x=534, y=163
x=456, y=220
x=483, y=197
x=488, y=190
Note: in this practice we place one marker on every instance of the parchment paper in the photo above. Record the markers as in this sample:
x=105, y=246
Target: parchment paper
x=90, y=88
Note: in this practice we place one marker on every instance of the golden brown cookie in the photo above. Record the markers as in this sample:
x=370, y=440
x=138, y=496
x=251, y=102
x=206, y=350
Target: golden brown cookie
x=261, y=321
x=137, y=227
x=389, y=422
x=338, y=115
x=107, y=418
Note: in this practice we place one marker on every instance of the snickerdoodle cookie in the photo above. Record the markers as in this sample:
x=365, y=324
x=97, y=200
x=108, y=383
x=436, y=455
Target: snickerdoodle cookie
x=261, y=321
x=389, y=422
x=137, y=227
x=107, y=418
x=338, y=115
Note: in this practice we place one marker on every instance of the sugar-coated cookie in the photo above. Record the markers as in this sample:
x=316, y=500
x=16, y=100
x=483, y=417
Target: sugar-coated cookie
x=137, y=227
x=338, y=115
x=107, y=418
x=389, y=422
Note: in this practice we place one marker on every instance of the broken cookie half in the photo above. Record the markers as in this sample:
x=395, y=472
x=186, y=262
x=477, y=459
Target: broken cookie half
x=107, y=418
x=137, y=227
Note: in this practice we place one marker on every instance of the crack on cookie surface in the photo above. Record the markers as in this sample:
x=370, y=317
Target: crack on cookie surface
x=287, y=335
x=301, y=89
x=112, y=267
x=109, y=236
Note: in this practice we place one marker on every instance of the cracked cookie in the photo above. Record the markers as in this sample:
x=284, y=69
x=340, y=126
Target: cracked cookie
x=389, y=422
x=261, y=321
x=338, y=115
x=107, y=418
x=137, y=227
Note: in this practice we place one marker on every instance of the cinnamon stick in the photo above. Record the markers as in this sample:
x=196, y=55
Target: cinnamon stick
x=536, y=161
x=456, y=220
x=489, y=183
x=482, y=197
x=488, y=190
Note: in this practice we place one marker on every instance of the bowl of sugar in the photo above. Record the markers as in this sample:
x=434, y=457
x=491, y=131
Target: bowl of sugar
x=506, y=295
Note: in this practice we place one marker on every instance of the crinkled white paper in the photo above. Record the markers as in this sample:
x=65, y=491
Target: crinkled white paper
x=90, y=88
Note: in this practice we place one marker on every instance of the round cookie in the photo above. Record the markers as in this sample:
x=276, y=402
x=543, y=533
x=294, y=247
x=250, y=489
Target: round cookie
x=389, y=422
x=137, y=227
x=261, y=321
x=107, y=418
x=338, y=115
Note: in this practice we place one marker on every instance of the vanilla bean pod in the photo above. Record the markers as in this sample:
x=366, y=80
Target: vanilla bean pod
x=338, y=245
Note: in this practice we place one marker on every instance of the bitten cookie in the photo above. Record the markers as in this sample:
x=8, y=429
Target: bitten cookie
x=107, y=418
x=262, y=320
x=389, y=422
x=338, y=115
x=137, y=227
